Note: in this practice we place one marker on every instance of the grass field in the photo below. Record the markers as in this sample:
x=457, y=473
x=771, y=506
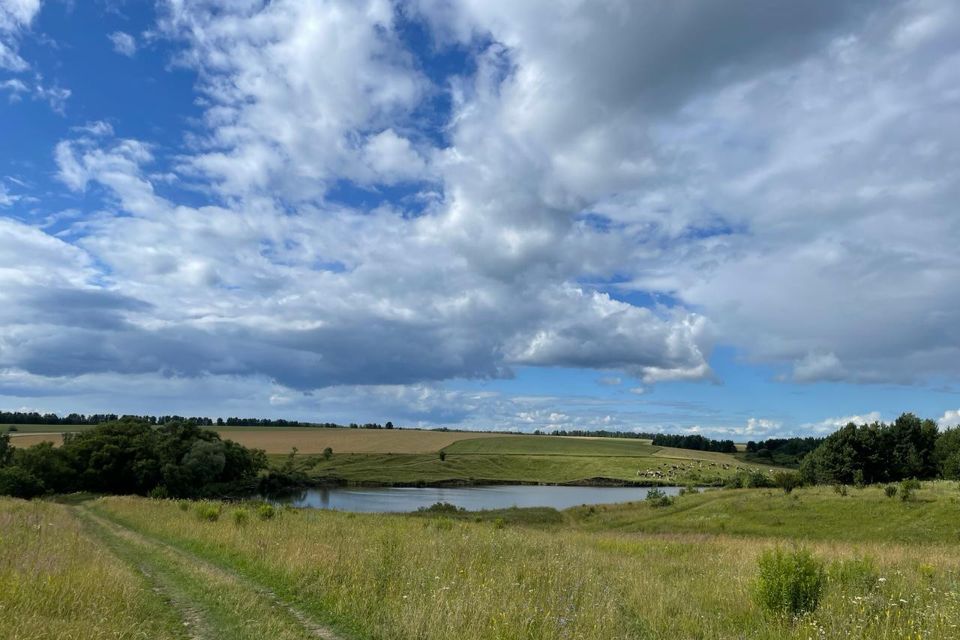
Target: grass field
x=619, y=572
x=408, y=457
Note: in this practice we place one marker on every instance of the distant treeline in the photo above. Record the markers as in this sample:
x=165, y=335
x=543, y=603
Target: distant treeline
x=786, y=452
x=695, y=442
x=33, y=417
x=578, y=433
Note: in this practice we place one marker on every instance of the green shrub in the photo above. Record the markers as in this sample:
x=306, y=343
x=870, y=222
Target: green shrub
x=208, y=511
x=184, y=505
x=266, y=512
x=787, y=480
x=840, y=489
x=658, y=498
x=858, y=480
x=689, y=490
x=441, y=507
x=907, y=487
x=890, y=490
x=20, y=483
x=240, y=517
x=327, y=453
x=789, y=582
x=857, y=574
x=499, y=523
x=159, y=492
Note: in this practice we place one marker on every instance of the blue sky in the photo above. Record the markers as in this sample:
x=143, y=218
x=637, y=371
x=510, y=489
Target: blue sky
x=737, y=220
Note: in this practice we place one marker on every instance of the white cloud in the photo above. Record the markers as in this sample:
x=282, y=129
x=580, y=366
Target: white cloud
x=829, y=425
x=15, y=17
x=949, y=419
x=123, y=43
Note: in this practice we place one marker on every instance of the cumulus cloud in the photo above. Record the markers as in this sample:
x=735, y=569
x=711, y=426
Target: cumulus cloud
x=949, y=419
x=829, y=425
x=783, y=176
x=123, y=43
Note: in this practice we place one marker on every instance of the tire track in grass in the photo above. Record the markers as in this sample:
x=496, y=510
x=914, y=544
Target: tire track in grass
x=195, y=624
x=304, y=625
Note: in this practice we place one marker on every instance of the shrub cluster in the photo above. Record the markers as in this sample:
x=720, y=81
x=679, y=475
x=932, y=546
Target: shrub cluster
x=789, y=582
x=131, y=457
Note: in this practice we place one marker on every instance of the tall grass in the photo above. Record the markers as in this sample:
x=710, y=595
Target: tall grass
x=56, y=582
x=413, y=577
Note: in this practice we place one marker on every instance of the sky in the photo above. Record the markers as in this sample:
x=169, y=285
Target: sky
x=734, y=218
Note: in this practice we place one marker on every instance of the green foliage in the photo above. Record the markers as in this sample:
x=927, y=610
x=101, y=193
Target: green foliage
x=208, y=511
x=266, y=512
x=890, y=490
x=875, y=453
x=6, y=449
x=240, y=516
x=859, y=575
x=442, y=508
x=948, y=454
x=327, y=453
x=658, y=498
x=159, y=492
x=789, y=582
x=907, y=487
x=840, y=489
x=787, y=480
x=443, y=455
x=20, y=483
x=130, y=456
x=689, y=490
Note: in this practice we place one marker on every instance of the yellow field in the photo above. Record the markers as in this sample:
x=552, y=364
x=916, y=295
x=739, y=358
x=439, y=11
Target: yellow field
x=311, y=440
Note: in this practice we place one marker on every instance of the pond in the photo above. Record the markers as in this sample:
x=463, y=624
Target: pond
x=401, y=499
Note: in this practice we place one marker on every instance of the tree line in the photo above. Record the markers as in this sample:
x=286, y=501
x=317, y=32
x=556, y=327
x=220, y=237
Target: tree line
x=175, y=459
x=786, y=452
x=33, y=417
x=908, y=447
x=695, y=442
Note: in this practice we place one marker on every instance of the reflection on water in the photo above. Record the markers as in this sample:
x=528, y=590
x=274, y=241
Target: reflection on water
x=399, y=499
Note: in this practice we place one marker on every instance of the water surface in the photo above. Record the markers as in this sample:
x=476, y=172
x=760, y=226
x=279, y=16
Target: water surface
x=400, y=499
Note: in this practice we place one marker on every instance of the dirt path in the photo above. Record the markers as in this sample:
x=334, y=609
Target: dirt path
x=213, y=601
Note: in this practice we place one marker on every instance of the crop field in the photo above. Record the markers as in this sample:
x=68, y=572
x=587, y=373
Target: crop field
x=231, y=570
x=306, y=439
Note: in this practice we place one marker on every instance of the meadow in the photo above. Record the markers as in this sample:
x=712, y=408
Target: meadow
x=626, y=571
x=410, y=457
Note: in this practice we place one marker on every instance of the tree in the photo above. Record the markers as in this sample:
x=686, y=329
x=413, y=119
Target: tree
x=947, y=454
x=327, y=453
x=6, y=449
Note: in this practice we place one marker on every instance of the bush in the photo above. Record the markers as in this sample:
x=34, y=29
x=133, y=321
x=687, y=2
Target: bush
x=857, y=574
x=890, y=490
x=441, y=507
x=840, y=489
x=208, y=511
x=658, y=498
x=499, y=523
x=159, y=492
x=790, y=582
x=20, y=483
x=266, y=512
x=689, y=490
x=787, y=480
x=327, y=453
x=240, y=517
x=907, y=487
x=443, y=456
